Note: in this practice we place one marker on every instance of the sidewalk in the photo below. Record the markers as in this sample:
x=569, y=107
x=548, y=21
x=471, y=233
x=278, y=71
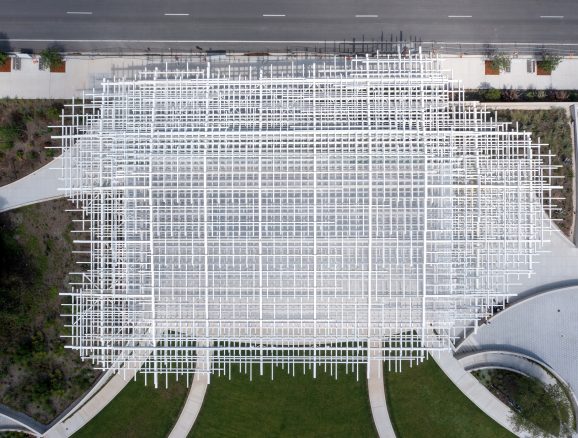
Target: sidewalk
x=86, y=72
x=471, y=71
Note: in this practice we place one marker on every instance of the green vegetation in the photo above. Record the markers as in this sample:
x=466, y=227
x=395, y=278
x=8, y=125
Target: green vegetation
x=549, y=62
x=520, y=95
x=553, y=128
x=37, y=375
x=298, y=406
x=51, y=57
x=24, y=136
x=541, y=410
x=423, y=402
x=492, y=94
x=3, y=57
x=139, y=411
x=501, y=62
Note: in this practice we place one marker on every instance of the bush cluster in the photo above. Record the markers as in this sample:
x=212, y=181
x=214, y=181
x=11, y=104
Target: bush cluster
x=518, y=95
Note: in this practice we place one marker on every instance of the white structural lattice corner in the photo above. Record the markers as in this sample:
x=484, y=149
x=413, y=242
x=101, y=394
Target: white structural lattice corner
x=294, y=212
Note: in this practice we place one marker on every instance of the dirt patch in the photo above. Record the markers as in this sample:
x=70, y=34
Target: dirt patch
x=6, y=66
x=490, y=69
x=25, y=136
x=38, y=375
x=541, y=71
x=59, y=68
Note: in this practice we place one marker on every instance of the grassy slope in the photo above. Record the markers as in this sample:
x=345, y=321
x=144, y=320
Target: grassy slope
x=287, y=406
x=139, y=411
x=423, y=402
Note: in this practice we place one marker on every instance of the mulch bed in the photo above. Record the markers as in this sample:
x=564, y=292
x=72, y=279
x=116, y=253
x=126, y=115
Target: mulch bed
x=60, y=68
x=6, y=67
x=540, y=70
x=490, y=69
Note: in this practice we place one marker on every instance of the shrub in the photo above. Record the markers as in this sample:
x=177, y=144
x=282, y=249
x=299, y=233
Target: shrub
x=530, y=95
x=492, y=94
x=8, y=134
x=51, y=57
x=501, y=62
x=3, y=57
x=550, y=62
x=511, y=94
x=561, y=95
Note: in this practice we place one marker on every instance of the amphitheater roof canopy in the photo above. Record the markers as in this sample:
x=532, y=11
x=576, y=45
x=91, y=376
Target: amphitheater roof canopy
x=294, y=212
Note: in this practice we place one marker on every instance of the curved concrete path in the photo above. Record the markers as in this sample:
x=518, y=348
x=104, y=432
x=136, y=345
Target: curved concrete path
x=506, y=360
x=14, y=421
x=377, y=399
x=195, y=397
x=475, y=391
x=39, y=186
x=518, y=363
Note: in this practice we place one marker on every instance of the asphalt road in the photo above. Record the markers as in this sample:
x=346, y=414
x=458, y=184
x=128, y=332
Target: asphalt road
x=144, y=23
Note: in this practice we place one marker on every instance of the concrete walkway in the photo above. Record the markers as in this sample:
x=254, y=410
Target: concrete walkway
x=195, y=398
x=86, y=72
x=505, y=360
x=39, y=186
x=11, y=420
x=470, y=69
x=543, y=327
x=475, y=391
x=377, y=399
x=92, y=404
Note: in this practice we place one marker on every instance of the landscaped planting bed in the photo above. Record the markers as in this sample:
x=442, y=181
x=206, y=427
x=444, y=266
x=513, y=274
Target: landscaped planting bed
x=540, y=409
x=552, y=127
x=38, y=376
x=25, y=136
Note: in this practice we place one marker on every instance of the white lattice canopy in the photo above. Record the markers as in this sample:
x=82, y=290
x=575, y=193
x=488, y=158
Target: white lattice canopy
x=294, y=212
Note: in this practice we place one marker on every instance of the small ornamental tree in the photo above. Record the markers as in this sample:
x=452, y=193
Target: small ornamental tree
x=3, y=57
x=51, y=57
x=501, y=62
x=549, y=62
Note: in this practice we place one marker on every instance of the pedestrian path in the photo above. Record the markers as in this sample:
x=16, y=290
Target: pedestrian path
x=470, y=69
x=39, y=186
x=85, y=72
x=195, y=398
x=377, y=399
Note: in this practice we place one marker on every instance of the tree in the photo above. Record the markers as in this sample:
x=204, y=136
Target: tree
x=535, y=412
x=501, y=62
x=549, y=62
x=51, y=57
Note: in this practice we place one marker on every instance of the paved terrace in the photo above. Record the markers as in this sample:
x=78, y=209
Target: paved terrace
x=86, y=72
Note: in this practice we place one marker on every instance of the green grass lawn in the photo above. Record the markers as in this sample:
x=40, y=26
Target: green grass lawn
x=288, y=406
x=139, y=411
x=423, y=402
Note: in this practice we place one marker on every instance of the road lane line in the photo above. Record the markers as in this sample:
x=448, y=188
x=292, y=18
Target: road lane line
x=459, y=16
x=79, y=13
x=273, y=15
x=366, y=16
x=176, y=15
x=552, y=16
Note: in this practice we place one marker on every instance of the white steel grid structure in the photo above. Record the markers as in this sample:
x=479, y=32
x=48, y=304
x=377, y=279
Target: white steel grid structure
x=314, y=213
